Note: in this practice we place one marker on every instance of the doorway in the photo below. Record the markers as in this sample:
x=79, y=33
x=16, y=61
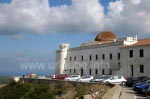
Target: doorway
x=132, y=70
x=90, y=71
x=110, y=72
x=103, y=72
x=81, y=71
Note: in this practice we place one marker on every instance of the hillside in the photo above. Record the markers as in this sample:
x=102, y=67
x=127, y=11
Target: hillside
x=47, y=91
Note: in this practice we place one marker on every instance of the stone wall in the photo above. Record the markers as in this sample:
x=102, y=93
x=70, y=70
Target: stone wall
x=47, y=81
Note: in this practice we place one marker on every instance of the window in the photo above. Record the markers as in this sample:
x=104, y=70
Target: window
x=103, y=56
x=96, y=71
x=74, y=57
x=110, y=56
x=131, y=53
x=141, y=53
x=118, y=55
x=141, y=68
x=70, y=58
x=103, y=72
x=82, y=58
x=90, y=71
x=119, y=77
x=74, y=70
x=90, y=57
x=96, y=57
x=70, y=70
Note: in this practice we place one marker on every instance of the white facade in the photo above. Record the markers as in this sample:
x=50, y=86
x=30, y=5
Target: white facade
x=131, y=65
x=97, y=58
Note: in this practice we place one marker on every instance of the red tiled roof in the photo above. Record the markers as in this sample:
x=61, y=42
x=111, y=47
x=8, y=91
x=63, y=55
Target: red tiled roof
x=105, y=36
x=140, y=42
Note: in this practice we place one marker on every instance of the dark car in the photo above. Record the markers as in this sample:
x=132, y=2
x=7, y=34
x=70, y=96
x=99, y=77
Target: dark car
x=60, y=76
x=140, y=86
x=146, y=90
x=133, y=80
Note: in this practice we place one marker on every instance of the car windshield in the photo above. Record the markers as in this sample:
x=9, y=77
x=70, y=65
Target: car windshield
x=103, y=77
x=107, y=77
x=74, y=76
x=146, y=79
x=84, y=77
x=116, y=77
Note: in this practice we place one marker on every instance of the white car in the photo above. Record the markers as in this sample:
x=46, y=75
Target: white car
x=73, y=78
x=85, y=78
x=101, y=78
x=116, y=80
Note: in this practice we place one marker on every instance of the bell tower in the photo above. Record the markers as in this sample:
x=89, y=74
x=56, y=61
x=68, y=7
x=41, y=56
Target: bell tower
x=62, y=58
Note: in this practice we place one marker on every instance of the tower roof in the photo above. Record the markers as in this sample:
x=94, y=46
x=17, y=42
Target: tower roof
x=105, y=36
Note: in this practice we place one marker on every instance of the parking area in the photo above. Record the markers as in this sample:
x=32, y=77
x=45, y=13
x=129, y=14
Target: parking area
x=128, y=93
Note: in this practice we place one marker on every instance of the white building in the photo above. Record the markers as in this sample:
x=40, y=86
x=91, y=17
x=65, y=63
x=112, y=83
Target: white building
x=107, y=54
x=136, y=59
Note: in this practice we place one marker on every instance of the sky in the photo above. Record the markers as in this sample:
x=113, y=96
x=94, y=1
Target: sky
x=31, y=30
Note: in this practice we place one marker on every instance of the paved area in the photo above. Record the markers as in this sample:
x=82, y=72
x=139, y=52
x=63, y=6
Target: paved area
x=128, y=93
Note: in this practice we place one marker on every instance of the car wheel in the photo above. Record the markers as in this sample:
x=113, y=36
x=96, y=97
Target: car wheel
x=123, y=83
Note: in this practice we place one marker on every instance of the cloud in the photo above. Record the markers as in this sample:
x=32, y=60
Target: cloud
x=115, y=9
x=129, y=16
x=27, y=16
x=37, y=16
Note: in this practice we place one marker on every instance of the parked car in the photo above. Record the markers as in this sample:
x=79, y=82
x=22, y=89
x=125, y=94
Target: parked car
x=101, y=78
x=141, y=81
x=131, y=81
x=146, y=89
x=116, y=80
x=148, y=92
x=140, y=86
x=85, y=78
x=60, y=76
x=73, y=78
x=134, y=80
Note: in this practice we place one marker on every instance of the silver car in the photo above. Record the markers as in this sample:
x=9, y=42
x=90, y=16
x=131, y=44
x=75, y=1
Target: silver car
x=116, y=80
x=85, y=78
x=101, y=78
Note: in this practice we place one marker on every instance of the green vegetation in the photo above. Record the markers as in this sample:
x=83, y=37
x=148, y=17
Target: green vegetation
x=25, y=91
x=50, y=91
